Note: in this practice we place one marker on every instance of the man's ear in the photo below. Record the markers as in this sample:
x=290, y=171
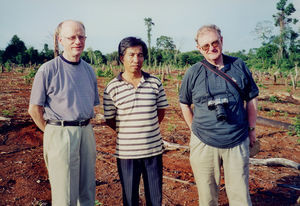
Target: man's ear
x=199, y=48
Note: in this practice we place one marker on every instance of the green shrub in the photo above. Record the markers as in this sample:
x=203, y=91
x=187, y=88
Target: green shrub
x=106, y=73
x=273, y=99
x=28, y=78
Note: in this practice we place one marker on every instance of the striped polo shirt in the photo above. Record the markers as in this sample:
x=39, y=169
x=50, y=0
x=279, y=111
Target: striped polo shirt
x=135, y=111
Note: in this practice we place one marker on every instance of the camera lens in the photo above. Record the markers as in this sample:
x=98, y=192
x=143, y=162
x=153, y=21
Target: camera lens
x=220, y=113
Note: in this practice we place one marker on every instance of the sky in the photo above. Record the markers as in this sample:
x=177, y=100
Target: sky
x=107, y=22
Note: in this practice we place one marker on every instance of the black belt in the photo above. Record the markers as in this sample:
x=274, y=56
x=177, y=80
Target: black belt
x=68, y=123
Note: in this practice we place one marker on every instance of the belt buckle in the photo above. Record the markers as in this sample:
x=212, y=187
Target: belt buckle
x=80, y=123
x=62, y=123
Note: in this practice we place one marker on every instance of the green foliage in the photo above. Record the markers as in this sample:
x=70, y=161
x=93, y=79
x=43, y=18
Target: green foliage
x=7, y=66
x=295, y=128
x=171, y=127
x=9, y=112
x=260, y=85
x=189, y=58
x=29, y=77
x=273, y=99
x=179, y=76
x=106, y=73
x=271, y=113
x=98, y=203
x=165, y=43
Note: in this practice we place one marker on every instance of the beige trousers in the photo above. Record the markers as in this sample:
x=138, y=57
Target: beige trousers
x=206, y=162
x=70, y=155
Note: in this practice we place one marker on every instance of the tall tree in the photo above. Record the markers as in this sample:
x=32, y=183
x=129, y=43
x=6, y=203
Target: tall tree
x=283, y=19
x=166, y=44
x=149, y=23
x=15, y=51
x=264, y=31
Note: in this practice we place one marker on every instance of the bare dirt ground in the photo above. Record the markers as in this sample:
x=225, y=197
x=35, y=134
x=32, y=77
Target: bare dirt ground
x=24, y=178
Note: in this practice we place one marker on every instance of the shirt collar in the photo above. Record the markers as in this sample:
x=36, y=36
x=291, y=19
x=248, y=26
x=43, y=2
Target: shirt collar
x=145, y=76
x=65, y=60
x=226, y=62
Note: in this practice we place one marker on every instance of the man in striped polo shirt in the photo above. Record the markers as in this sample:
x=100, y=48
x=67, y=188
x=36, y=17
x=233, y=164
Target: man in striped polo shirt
x=134, y=105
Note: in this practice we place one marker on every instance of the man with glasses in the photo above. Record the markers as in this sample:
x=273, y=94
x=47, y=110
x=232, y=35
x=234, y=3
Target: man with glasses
x=221, y=127
x=62, y=101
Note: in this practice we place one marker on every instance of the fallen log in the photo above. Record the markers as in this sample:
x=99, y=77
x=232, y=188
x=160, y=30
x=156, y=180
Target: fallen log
x=273, y=123
x=267, y=162
x=174, y=146
x=275, y=162
x=5, y=119
x=294, y=187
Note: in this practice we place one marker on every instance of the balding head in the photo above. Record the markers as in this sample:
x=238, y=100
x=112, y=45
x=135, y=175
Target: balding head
x=68, y=23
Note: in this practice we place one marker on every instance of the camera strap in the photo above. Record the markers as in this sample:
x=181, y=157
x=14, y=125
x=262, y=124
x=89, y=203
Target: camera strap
x=224, y=76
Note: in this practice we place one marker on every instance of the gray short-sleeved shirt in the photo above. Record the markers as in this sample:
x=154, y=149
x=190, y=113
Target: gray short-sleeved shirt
x=221, y=134
x=67, y=90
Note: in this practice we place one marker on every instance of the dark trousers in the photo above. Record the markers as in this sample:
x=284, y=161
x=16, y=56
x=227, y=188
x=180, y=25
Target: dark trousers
x=130, y=171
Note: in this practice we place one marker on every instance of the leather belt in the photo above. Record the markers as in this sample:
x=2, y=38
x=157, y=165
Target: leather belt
x=68, y=123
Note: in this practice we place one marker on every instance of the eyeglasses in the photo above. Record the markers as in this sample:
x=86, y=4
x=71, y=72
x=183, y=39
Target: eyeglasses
x=214, y=44
x=73, y=38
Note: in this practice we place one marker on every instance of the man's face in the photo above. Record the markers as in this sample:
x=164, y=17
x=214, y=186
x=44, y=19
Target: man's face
x=133, y=59
x=72, y=38
x=210, y=45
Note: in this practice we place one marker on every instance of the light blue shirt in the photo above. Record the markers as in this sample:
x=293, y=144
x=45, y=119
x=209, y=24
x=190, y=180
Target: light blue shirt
x=67, y=90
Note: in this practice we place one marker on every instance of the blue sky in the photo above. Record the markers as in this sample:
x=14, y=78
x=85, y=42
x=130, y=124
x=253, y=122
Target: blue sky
x=109, y=21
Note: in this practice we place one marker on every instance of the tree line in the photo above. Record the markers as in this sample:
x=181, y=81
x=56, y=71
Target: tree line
x=277, y=53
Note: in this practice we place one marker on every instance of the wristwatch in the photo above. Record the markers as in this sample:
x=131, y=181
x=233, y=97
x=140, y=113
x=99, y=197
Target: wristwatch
x=251, y=128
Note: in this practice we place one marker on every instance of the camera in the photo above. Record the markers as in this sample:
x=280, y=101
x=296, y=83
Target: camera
x=219, y=105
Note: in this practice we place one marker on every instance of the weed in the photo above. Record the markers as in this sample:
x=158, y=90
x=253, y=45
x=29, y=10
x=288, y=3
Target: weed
x=7, y=66
x=273, y=99
x=271, y=113
x=97, y=203
x=28, y=78
x=179, y=76
x=158, y=76
x=9, y=112
x=262, y=86
x=106, y=73
x=171, y=127
x=295, y=128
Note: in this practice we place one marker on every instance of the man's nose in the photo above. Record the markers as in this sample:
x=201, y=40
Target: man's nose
x=135, y=58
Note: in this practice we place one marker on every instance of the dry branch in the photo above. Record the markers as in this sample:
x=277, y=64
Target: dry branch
x=174, y=146
x=178, y=180
x=272, y=123
x=275, y=162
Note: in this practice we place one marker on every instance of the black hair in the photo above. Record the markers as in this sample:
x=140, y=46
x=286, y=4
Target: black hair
x=131, y=42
